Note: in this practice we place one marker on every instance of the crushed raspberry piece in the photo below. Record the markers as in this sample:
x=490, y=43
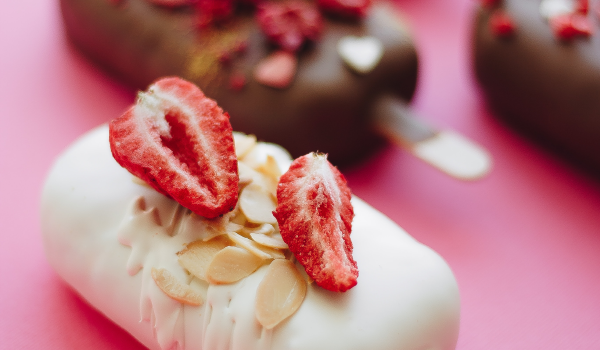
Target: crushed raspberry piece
x=501, y=24
x=290, y=23
x=181, y=143
x=237, y=81
x=167, y=3
x=213, y=11
x=582, y=6
x=224, y=57
x=277, y=70
x=490, y=3
x=241, y=47
x=346, y=8
x=315, y=218
x=567, y=27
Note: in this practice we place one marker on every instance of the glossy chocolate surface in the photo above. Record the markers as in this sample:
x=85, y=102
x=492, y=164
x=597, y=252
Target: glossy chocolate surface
x=326, y=107
x=546, y=88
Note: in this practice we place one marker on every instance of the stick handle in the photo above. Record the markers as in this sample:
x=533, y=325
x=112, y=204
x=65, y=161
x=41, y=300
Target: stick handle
x=445, y=150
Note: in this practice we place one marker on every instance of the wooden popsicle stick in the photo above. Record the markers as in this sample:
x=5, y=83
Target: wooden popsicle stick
x=445, y=150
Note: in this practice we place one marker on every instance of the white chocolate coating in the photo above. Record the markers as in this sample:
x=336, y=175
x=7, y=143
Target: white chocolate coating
x=406, y=297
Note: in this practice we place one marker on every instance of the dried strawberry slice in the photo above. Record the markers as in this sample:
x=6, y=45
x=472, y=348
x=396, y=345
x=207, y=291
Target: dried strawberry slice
x=569, y=26
x=346, y=8
x=502, y=24
x=181, y=143
x=315, y=219
x=213, y=11
x=290, y=23
x=171, y=3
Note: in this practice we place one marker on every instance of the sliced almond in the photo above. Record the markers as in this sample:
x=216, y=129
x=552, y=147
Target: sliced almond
x=279, y=294
x=231, y=264
x=243, y=143
x=249, y=175
x=239, y=219
x=257, y=204
x=270, y=168
x=271, y=241
x=175, y=289
x=136, y=180
x=254, y=248
x=258, y=156
x=196, y=257
x=265, y=229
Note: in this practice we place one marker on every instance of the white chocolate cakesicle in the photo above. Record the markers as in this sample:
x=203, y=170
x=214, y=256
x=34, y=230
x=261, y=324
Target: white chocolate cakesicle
x=406, y=297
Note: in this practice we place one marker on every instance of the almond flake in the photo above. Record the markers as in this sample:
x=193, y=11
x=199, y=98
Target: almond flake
x=249, y=175
x=256, y=249
x=279, y=294
x=270, y=168
x=136, y=180
x=257, y=157
x=175, y=289
x=257, y=204
x=239, y=219
x=231, y=264
x=272, y=241
x=243, y=143
x=265, y=229
x=196, y=257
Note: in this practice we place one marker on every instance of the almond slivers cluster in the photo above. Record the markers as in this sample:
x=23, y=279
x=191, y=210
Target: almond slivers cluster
x=240, y=242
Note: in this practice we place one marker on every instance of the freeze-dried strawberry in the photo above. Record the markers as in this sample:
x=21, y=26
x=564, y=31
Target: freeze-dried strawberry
x=566, y=27
x=213, y=11
x=181, y=143
x=276, y=70
x=171, y=3
x=490, y=3
x=315, y=219
x=582, y=6
x=346, y=8
x=290, y=23
x=502, y=24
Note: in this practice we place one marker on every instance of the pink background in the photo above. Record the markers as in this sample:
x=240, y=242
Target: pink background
x=524, y=243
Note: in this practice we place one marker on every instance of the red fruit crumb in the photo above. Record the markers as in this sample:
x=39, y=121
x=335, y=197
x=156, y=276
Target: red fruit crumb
x=181, y=143
x=290, y=23
x=277, y=70
x=241, y=47
x=582, y=6
x=566, y=27
x=490, y=3
x=501, y=24
x=237, y=81
x=346, y=8
x=315, y=218
x=213, y=11
x=167, y=3
x=224, y=57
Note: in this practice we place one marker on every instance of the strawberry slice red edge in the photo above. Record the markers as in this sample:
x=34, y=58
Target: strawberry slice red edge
x=315, y=215
x=181, y=143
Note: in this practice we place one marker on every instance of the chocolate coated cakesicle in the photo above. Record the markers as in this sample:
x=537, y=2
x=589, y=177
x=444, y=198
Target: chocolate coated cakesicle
x=538, y=62
x=331, y=93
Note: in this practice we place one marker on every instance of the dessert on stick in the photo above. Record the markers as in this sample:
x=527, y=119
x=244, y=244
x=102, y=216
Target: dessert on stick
x=295, y=263
x=538, y=63
x=323, y=75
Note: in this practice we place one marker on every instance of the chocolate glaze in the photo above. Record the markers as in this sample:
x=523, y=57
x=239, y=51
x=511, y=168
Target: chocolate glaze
x=326, y=107
x=545, y=88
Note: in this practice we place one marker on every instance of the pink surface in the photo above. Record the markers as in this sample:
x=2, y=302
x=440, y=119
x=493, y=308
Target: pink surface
x=524, y=243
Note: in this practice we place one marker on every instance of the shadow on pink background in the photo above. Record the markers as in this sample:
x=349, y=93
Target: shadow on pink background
x=524, y=243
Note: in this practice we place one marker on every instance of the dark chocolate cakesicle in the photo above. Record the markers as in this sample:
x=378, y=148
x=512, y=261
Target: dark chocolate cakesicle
x=538, y=63
x=343, y=89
